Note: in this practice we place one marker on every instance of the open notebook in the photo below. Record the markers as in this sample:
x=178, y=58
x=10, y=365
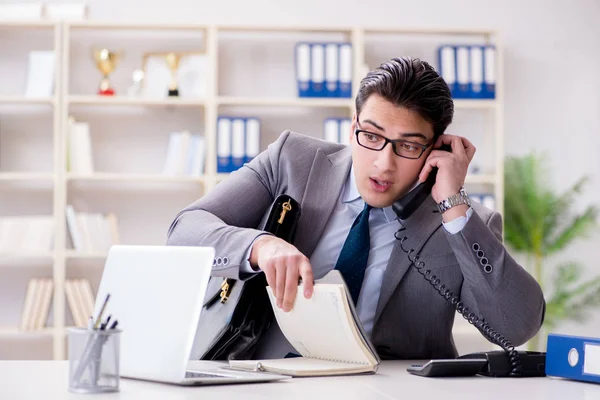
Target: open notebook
x=324, y=330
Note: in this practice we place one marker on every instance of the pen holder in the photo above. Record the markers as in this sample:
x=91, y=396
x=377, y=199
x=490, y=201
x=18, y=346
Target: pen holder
x=93, y=360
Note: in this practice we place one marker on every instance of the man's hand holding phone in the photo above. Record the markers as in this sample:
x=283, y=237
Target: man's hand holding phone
x=283, y=265
x=452, y=169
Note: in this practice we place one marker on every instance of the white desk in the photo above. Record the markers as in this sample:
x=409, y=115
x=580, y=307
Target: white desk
x=48, y=380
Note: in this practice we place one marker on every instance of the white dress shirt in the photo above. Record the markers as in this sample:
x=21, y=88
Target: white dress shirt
x=382, y=226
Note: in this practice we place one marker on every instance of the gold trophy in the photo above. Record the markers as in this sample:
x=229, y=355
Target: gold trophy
x=106, y=61
x=173, y=60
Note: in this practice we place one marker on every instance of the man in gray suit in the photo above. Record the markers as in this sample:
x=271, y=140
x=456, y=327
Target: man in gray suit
x=346, y=192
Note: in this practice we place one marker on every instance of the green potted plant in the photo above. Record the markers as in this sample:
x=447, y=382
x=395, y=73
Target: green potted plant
x=539, y=222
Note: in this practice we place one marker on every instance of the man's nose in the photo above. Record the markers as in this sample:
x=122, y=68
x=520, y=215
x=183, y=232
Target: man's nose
x=386, y=159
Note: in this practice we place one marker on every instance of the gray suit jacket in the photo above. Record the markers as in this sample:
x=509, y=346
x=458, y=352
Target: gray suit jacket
x=412, y=320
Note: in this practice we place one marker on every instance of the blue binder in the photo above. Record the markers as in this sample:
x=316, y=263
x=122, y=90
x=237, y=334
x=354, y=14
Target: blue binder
x=332, y=70
x=317, y=70
x=476, y=67
x=489, y=72
x=573, y=357
x=345, y=70
x=302, y=62
x=447, y=66
x=224, y=139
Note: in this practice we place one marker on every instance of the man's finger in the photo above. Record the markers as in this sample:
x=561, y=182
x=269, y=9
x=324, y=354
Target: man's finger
x=307, y=278
x=280, y=279
x=291, y=289
x=429, y=164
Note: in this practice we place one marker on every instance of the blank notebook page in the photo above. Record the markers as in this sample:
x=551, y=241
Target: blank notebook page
x=320, y=327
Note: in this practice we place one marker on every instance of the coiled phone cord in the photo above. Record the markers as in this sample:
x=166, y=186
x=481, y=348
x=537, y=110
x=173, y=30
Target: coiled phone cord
x=480, y=323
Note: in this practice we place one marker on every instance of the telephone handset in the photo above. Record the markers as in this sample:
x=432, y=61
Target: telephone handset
x=508, y=361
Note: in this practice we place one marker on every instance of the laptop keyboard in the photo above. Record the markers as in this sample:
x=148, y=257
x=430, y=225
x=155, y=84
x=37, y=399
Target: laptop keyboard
x=203, y=375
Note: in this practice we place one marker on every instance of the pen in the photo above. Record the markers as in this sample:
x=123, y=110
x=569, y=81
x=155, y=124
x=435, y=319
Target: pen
x=105, y=323
x=90, y=325
x=97, y=324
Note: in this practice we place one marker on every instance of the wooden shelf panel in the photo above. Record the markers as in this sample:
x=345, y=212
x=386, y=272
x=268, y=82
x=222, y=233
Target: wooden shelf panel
x=285, y=102
x=27, y=255
x=134, y=101
x=146, y=178
x=20, y=99
x=78, y=255
x=10, y=331
x=25, y=176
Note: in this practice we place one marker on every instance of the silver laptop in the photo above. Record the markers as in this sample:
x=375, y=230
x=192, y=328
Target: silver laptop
x=156, y=294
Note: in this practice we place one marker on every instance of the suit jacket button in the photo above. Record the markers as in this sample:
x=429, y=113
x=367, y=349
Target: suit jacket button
x=483, y=261
x=225, y=260
x=476, y=247
x=488, y=268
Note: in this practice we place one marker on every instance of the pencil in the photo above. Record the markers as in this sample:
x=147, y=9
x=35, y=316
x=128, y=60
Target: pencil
x=99, y=318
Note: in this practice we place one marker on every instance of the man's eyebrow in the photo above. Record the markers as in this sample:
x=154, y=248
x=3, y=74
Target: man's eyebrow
x=376, y=125
x=404, y=135
x=414, y=135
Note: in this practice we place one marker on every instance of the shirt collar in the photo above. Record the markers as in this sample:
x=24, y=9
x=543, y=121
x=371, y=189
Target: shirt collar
x=352, y=195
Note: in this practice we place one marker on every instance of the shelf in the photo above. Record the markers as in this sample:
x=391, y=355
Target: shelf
x=475, y=104
x=78, y=255
x=25, y=176
x=20, y=99
x=29, y=255
x=481, y=179
x=89, y=24
x=285, y=102
x=134, y=101
x=15, y=331
x=146, y=178
x=27, y=24
x=429, y=31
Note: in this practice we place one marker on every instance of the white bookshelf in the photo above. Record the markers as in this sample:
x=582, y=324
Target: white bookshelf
x=129, y=134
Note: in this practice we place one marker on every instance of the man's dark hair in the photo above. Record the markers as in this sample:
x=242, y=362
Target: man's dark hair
x=413, y=84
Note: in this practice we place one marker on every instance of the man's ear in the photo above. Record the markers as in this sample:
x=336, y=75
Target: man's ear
x=352, y=128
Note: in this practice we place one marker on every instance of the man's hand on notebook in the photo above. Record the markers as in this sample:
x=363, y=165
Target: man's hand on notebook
x=283, y=265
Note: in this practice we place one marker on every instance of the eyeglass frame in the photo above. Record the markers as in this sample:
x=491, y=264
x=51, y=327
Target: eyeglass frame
x=392, y=141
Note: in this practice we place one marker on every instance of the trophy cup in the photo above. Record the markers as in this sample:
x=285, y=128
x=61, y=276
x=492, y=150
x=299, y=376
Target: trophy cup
x=106, y=61
x=173, y=60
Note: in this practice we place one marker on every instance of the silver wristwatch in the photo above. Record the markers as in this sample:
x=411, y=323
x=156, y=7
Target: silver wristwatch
x=460, y=198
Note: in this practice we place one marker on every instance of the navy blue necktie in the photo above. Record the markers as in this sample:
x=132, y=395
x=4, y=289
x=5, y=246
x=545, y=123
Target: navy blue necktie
x=352, y=261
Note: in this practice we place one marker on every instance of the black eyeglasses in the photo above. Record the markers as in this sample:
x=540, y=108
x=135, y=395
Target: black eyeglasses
x=402, y=148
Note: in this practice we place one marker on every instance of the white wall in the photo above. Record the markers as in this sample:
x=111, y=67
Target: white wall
x=552, y=88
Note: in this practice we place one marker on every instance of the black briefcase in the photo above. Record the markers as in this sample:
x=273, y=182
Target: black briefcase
x=236, y=313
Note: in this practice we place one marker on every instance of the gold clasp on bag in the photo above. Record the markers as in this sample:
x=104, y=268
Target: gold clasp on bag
x=286, y=207
x=225, y=291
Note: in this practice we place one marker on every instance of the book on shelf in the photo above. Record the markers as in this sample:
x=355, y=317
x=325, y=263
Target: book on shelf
x=337, y=130
x=36, y=306
x=185, y=155
x=23, y=234
x=92, y=232
x=79, y=148
x=80, y=298
x=325, y=331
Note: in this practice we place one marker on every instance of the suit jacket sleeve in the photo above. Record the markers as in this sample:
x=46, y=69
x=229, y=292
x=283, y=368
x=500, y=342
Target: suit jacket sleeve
x=495, y=286
x=227, y=217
